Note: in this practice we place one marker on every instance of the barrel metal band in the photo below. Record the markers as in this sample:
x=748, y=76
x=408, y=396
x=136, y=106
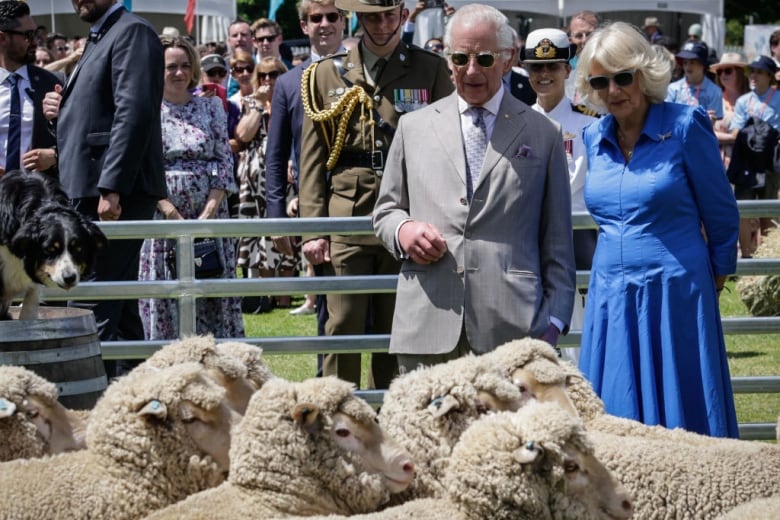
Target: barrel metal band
x=52, y=355
x=85, y=386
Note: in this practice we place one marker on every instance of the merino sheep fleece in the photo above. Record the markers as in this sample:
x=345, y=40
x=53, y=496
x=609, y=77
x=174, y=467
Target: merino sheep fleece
x=761, y=294
x=427, y=410
x=139, y=457
x=226, y=369
x=252, y=358
x=32, y=422
x=279, y=470
x=521, y=466
x=760, y=509
x=676, y=480
x=591, y=409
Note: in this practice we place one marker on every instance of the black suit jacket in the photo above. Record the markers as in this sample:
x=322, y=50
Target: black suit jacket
x=520, y=87
x=41, y=82
x=284, y=136
x=108, y=131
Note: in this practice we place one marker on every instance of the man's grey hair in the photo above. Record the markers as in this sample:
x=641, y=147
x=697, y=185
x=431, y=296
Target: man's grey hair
x=479, y=14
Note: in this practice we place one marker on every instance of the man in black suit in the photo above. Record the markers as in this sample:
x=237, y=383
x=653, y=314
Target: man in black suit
x=34, y=143
x=110, y=144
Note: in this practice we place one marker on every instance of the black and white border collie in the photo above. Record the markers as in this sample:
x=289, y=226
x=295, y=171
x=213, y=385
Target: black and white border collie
x=43, y=240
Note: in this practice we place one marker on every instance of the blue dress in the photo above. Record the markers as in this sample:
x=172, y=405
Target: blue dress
x=652, y=343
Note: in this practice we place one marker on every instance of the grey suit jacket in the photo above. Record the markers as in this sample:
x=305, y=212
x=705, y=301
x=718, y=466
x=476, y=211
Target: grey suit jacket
x=510, y=263
x=108, y=130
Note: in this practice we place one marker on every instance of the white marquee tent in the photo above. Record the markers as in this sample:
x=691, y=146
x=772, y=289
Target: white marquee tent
x=213, y=16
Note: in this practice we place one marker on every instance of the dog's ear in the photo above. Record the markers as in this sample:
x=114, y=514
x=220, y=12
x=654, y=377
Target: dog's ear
x=95, y=233
x=25, y=240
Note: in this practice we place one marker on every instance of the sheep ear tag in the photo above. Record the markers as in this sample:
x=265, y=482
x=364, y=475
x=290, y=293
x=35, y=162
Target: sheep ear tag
x=154, y=408
x=442, y=405
x=528, y=453
x=7, y=408
x=307, y=416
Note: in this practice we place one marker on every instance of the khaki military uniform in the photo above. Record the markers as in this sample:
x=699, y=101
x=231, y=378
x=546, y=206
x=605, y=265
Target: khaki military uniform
x=411, y=79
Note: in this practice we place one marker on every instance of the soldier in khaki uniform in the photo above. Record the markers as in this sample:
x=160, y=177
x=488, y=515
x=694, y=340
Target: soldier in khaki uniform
x=352, y=103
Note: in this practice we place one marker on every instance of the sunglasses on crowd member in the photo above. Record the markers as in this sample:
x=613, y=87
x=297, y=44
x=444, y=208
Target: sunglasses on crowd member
x=268, y=75
x=623, y=78
x=331, y=17
x=581, y=35
x=435, y=47
x=539, y=67
x=217, y=72
x=267, y=39
x=484, y=59
x=62, y=49
x=727, y=71
x=241, y=70
x=27, y=35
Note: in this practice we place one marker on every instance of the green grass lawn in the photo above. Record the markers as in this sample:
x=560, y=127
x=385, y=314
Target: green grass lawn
x=749, y=355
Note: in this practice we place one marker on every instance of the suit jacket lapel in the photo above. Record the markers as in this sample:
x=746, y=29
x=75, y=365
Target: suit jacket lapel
x=110, y=21
x=507, y=130
x=446, y=127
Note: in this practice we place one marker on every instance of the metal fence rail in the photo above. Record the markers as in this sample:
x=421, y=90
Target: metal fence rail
x=187, y=289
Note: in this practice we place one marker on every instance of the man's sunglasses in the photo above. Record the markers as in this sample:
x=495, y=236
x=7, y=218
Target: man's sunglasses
x=331, y=17
x=484, y=59
x=268, y=75
x=27, y=35
x=268, y=39
x=623, y=78
x=217, y=72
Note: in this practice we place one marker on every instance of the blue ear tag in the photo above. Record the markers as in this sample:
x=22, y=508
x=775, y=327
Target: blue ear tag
x=437, y=402
x=529, y=445
x=155, y=405
x=3, y=404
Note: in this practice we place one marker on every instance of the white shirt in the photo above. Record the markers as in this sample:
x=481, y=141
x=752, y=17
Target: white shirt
x=491, y=111
x=5, y=111
x=572, y=123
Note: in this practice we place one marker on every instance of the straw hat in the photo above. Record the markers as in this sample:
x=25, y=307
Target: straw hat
x=729, y=59
x=651, y=21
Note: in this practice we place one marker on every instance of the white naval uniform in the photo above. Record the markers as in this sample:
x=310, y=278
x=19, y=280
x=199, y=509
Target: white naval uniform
x=572, y=121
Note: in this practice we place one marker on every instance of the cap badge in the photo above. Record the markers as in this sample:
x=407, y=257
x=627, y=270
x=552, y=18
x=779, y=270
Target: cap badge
x=545, y=49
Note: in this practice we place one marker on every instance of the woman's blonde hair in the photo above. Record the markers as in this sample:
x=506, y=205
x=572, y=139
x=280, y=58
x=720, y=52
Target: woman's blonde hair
x=621, y=46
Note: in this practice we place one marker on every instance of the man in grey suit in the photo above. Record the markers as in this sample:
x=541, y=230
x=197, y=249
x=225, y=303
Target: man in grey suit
x=475, y=198
x=110, y=144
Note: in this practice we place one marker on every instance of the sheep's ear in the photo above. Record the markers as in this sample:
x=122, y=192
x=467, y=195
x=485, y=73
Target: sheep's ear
x=307, y=417
x=7, y=408
x=443, y=405
x=529, y=452
x=154, y=408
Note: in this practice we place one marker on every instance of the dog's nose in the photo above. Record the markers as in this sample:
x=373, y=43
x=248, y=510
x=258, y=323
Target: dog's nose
x=69, y=279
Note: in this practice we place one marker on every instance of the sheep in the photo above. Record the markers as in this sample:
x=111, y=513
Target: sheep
x=309, y=448
x=760, y=509
x=672, y=479
x=32, y=422
x=761, y=294
x=238, y=367
x=153, y=438
x=428, y=409
x=535, y=463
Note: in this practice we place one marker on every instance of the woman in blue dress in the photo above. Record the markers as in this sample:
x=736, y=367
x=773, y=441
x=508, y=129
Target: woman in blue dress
x=652, y=343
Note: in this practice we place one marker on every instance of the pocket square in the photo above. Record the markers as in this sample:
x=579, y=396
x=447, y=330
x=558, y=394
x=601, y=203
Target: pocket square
x=525, y=152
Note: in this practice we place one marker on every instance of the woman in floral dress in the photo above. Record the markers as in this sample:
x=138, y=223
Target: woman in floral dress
x=199, y=174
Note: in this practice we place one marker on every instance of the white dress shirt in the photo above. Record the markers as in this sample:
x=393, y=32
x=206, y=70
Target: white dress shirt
x=5, y=111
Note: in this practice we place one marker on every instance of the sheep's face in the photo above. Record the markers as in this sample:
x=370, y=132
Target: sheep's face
x=589, y=482
x=379, y=453
x=210, y=430
x=51, y=421
x=532, y=390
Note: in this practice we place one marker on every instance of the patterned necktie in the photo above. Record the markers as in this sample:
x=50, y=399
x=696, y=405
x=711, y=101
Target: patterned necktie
x=13, y=152
x=475, y=136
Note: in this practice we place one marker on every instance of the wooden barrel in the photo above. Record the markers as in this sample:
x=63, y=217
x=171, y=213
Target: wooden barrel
x=62, y=346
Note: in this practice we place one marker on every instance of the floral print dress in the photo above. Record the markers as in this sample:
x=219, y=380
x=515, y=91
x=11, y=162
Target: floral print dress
x=197, y=159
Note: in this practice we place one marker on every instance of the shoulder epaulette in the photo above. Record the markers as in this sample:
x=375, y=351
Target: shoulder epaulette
x=584, y=109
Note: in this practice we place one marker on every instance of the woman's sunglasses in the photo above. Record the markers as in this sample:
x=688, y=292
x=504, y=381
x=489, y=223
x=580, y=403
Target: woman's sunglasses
x=268, y=75
x=623, y=78
x=484, y=59
x=217, y=72
x=728, y=71
x=241, y=70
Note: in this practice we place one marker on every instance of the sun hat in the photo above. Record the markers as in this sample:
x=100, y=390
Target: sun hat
x=695, y=30
x=729, y=59
x=368, y=6
x=764, y=63
x=548, y=46
x=694, y=51
x=651, y=21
